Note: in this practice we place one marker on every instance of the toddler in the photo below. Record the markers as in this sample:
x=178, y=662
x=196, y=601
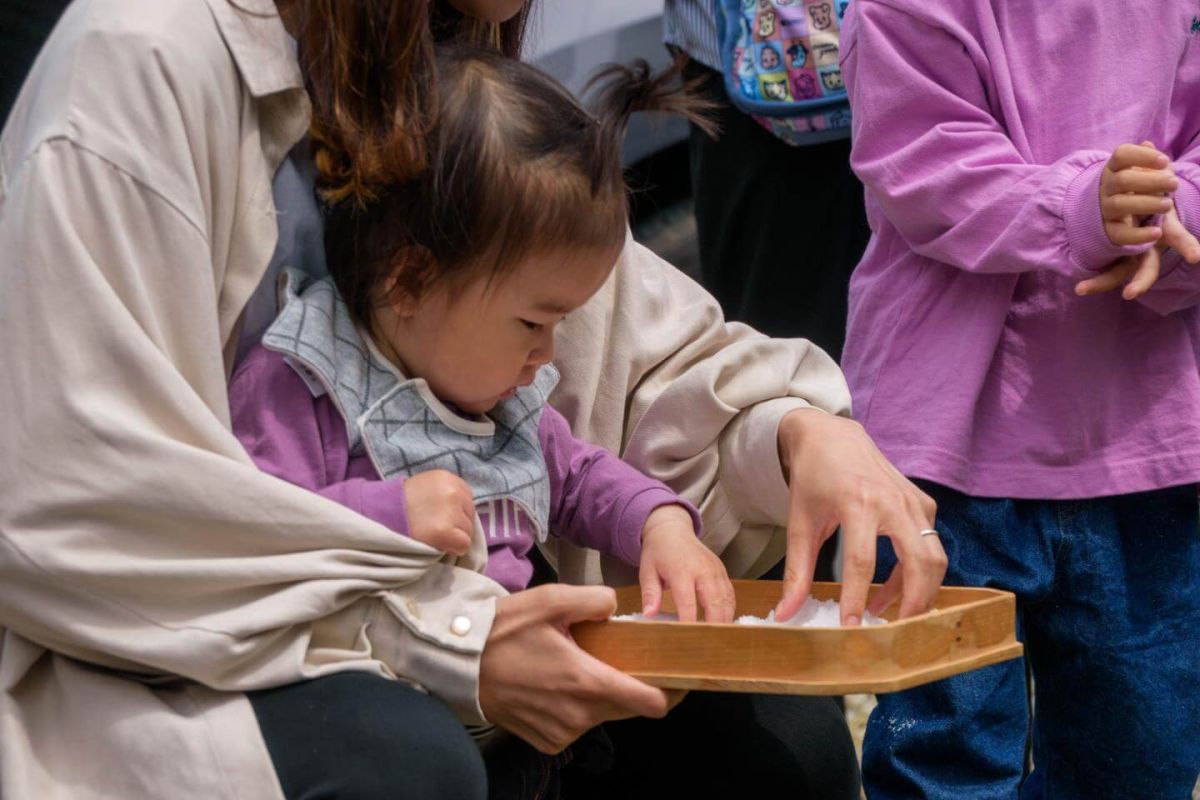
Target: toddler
x=411, y=384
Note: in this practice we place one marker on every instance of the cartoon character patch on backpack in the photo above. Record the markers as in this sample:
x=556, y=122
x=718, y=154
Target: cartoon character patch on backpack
x=780, y=60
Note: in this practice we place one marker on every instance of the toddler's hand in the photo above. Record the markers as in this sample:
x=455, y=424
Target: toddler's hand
x=672, y=555
x=441, y=511
x=1135, y=184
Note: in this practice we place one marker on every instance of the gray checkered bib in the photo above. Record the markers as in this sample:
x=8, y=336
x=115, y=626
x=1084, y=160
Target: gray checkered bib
x=398, y=422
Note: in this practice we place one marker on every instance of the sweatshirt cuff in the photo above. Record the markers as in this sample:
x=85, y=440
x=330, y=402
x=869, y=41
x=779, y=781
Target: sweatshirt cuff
x=1187, y=196
x=633, y=520
x=432, y=632
x=751, y=471
x=1187, y=206
x=385, y=502
x=1089, y=246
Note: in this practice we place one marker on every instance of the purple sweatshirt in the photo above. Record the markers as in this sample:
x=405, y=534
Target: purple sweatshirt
x=596, y=500
x=981, y=128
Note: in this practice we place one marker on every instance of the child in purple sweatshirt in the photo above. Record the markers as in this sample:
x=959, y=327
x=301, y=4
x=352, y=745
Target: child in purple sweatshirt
x=411, y=384
x=1021, y=157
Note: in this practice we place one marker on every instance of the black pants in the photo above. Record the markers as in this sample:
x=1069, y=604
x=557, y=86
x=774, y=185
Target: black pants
x=780, y=227
x=720, y=745
x=355, y=736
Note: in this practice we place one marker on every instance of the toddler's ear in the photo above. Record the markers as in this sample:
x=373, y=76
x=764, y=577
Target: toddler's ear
x=411, y=272
x=396, y=297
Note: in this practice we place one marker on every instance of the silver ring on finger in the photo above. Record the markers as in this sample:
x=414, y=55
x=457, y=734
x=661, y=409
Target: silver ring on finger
x=929, y=532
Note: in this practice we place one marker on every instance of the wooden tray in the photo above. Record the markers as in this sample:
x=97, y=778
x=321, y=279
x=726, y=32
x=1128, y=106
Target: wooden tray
x=968, y=629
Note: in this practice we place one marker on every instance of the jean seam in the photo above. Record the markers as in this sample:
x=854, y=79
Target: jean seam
x=1065, y=515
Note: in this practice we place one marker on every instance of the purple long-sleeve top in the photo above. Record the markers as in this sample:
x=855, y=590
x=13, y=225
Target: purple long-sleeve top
x=596, y=500
x=981, y=129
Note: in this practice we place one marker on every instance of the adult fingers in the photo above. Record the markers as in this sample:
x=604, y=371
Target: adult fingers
x=570, y=604
x=615, y=695
x=928, y=504
x=674, y=697
x=923, y=562
x=885, y=595
x=858, y=566
x=803, y=543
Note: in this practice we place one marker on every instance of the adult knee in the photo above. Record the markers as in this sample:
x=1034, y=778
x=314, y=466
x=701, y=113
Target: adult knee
x=418, y=750
x=813, y=751
x=356, y=736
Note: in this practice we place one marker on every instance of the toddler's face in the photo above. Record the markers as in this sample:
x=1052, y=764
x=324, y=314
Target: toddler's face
x=477, y=345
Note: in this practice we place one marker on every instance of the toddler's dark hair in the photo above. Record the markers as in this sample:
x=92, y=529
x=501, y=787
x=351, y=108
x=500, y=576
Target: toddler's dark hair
x=515, y=167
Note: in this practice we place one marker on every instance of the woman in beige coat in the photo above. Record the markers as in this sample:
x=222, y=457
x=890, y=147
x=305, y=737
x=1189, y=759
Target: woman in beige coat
x=151, y=576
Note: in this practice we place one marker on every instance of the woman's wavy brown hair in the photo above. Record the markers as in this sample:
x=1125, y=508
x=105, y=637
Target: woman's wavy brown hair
x=370, y=73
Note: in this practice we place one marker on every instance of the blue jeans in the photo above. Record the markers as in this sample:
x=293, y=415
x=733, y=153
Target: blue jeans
x=1108, y=605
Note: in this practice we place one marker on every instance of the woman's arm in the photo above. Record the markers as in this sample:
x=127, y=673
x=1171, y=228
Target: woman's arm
x=134, y=530
x=651, y=371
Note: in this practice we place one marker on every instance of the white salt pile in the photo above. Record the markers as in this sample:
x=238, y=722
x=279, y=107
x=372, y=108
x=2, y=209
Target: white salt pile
x=813, y=614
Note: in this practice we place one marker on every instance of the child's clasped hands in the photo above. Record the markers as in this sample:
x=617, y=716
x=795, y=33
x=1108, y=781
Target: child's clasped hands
x=1138, y=208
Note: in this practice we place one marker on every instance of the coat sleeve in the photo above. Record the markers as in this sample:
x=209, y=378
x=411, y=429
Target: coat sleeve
x=135, y=532
x=652, y=371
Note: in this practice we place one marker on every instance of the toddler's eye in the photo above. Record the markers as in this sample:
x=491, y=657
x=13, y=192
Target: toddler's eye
x=533, y=326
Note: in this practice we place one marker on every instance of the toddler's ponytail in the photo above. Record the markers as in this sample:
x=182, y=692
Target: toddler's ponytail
x=618, y=91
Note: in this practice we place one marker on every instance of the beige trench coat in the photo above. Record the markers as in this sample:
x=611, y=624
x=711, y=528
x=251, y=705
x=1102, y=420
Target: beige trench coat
x=149, y=574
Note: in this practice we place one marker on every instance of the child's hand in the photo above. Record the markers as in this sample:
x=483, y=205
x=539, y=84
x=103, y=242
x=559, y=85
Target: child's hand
x=1138, y=273
x=441, y=511
x=1136, y=183
x=672, y=555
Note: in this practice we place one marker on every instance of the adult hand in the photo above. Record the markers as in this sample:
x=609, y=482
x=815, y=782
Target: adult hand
x=535, y=682
x=837, y=476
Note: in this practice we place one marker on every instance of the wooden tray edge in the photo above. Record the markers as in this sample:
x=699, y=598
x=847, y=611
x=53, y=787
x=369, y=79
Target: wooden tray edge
x=986, y=596
x=934, y=672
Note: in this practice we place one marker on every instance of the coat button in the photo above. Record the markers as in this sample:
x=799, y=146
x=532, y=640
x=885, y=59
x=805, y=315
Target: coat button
x=413, y=608
x=460, y=626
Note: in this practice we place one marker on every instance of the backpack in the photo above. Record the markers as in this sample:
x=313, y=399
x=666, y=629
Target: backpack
x=780, y=64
